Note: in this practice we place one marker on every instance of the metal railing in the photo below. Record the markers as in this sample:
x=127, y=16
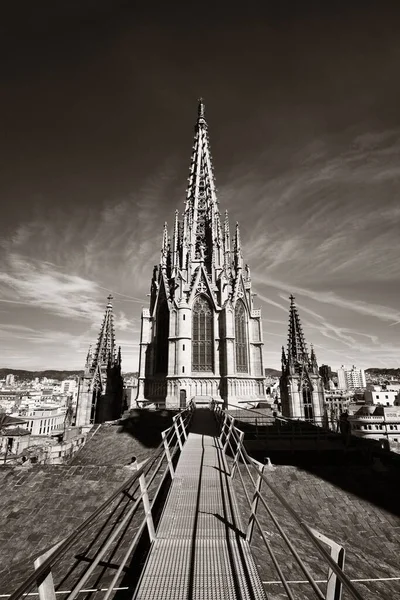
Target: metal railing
x=136, y=491
x=232, y=441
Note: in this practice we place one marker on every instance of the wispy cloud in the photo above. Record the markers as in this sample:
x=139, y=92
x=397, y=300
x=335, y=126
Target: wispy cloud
x=378, y=311
x=311, y=225
x=41, y=286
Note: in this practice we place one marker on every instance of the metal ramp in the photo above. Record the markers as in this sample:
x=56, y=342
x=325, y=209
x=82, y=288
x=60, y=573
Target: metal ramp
x=200, y=551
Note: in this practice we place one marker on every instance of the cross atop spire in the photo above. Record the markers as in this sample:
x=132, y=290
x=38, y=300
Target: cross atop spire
x=297, y=349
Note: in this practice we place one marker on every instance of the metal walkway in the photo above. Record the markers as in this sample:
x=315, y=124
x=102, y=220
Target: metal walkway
x=200, y=552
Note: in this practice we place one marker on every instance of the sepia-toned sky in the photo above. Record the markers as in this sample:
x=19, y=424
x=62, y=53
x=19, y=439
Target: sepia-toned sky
x=98, y=103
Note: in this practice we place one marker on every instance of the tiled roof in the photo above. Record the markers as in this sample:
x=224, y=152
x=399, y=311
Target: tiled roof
x=352, y=505
x=41, y=504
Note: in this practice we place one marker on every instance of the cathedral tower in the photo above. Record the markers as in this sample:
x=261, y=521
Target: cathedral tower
x=100, y=392
x=302, y=388
x=201, y=335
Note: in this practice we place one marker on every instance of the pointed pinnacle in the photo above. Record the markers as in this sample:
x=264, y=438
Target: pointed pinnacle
x=201, y=109
x=238, y=246
x=109, y=298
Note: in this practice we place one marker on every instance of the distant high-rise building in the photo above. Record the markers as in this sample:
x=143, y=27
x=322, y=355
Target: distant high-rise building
x=326, y=373
x=10, y=379
x=342, y=381
x=100, y=394
x=68, y=386
x=351, y=379
x=301, y=386
x=201, y=335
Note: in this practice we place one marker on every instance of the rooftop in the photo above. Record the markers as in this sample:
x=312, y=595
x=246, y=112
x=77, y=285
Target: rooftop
x=354, y=504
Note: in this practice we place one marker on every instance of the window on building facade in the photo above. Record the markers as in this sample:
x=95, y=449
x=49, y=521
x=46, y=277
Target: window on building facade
x=307, y=404
x=202, y=336
x=241, y=338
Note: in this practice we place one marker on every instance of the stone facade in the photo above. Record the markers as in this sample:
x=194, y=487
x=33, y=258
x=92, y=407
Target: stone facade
x=201, y=335
x=301, y=386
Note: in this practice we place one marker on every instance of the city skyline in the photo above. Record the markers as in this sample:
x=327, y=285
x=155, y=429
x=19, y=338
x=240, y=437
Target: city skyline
x=305, y=136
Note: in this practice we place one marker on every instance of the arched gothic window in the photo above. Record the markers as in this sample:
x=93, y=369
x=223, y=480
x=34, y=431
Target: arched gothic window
x=202, y=336
x=307, y=403
x=242, y=365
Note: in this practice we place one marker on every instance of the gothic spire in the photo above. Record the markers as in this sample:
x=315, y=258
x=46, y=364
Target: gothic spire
x=297, y=349
x=201, y=211
x=105, y=347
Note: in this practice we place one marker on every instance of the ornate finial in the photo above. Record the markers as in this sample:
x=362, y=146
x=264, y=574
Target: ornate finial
x=109, y=298
x=238, y=244
x=89, y=356
x=292, y=299
x=201, y=109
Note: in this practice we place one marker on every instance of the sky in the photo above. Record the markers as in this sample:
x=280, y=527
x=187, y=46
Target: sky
x=98, y=102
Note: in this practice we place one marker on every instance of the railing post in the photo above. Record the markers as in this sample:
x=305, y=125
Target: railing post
x=229, y=434
x=178, y=435
x=223, y=428
x=183, y=426
x=146, y=506
x=338, y=553
x=46, y=584
x=168, y=454
x=254, y=504
x=237, y=454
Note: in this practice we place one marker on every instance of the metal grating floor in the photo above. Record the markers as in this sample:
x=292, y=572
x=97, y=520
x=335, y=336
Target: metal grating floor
x=199, y=553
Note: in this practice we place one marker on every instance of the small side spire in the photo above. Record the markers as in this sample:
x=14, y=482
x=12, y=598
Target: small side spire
x=283, y=359
x=297, y=349
x=164, y=246
x=119, y=359
x=238, y=249
x=105, y=347
x=313, y=360
x=227, y=235
x=175, y=256
x=89, y=357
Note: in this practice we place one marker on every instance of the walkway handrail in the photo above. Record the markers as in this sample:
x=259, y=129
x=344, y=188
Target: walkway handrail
x=240, y=452
x=62, y=547
x=67, y=543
